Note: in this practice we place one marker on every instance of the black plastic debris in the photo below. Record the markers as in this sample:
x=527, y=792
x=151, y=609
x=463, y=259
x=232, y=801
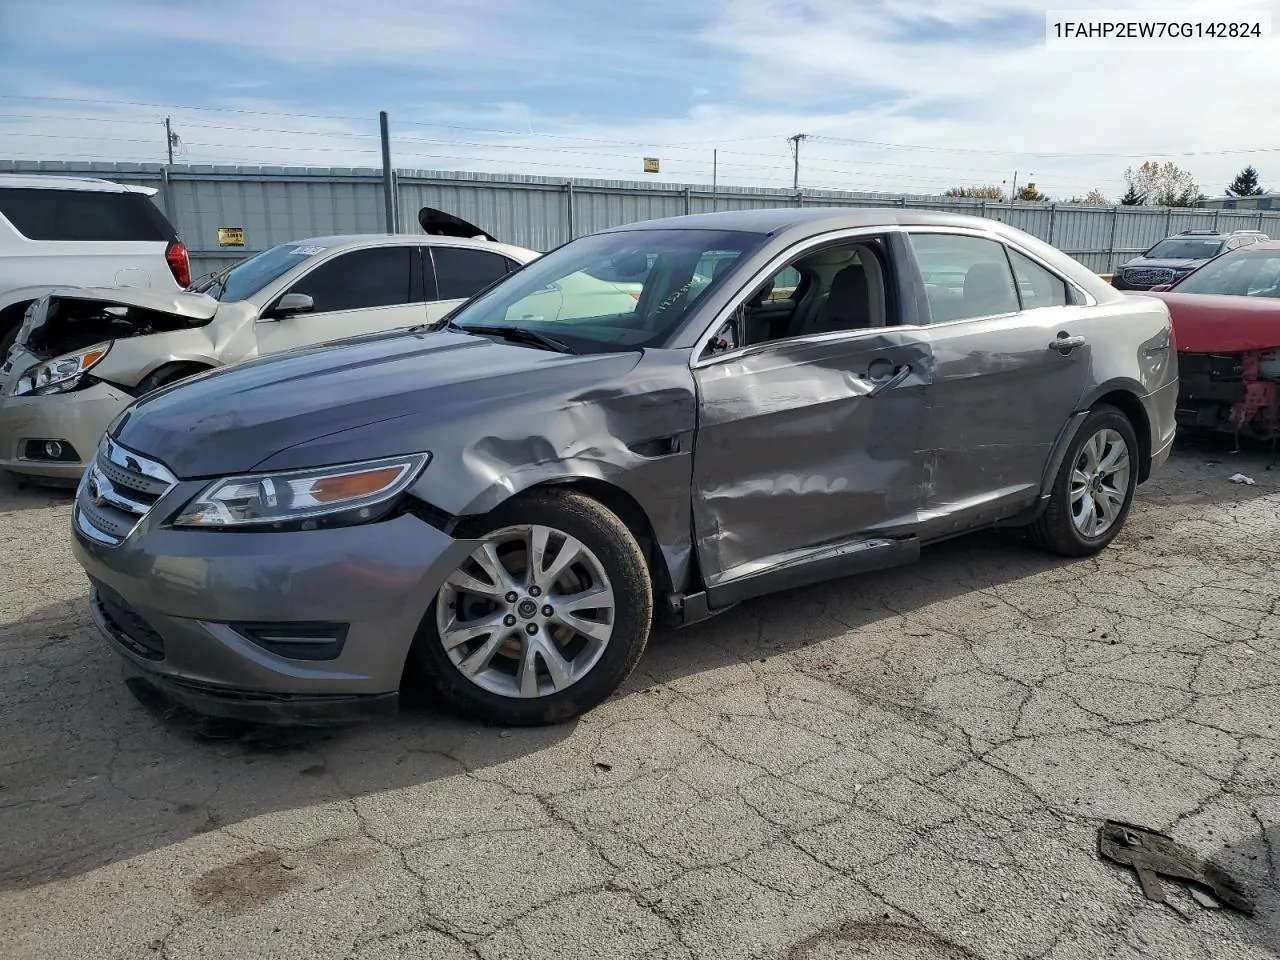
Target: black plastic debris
x=1153, y=855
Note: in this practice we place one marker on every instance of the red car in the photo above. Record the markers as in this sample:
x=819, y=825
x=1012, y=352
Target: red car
x=1226, y=321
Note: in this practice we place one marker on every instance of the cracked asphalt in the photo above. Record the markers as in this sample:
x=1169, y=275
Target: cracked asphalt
x=911, y=764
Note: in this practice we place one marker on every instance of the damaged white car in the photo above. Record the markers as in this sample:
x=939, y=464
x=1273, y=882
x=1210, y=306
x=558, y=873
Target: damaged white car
x=82, y=355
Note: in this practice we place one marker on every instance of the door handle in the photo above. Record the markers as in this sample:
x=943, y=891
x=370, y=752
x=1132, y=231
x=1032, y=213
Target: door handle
x=1065, y=344
x=888, y=383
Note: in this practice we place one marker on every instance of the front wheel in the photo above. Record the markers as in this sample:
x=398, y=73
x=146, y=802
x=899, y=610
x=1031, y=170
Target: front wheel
x=545, y=618
x=1094, y=488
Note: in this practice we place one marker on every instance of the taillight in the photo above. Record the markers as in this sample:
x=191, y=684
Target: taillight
x=179, y=263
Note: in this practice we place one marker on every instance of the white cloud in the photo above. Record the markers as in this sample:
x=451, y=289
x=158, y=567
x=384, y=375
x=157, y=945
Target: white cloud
x=983, y=109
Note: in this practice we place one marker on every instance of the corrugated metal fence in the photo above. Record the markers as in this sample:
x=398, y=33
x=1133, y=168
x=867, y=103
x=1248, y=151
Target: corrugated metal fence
x=277, y=204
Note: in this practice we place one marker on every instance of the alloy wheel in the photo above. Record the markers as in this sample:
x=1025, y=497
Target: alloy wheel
x=1100, y=483
x=528, y=614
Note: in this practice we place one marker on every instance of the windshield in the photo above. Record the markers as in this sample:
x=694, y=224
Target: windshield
x=1251, y=274
x=249, y=276
x=1184, y=250
x=611, y=291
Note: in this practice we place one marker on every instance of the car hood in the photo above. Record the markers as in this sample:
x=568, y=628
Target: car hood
x=1214, y=323
x=382, y=393
x=1182, y=264
x=192, y=306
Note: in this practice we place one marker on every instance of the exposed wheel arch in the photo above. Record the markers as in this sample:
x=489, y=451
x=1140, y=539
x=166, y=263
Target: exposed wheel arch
x=170, y=372
x=1128, y=403
x=10, y=321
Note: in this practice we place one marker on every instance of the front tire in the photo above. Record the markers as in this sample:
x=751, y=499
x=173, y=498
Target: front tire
x=1094, y=488
x=545, y=619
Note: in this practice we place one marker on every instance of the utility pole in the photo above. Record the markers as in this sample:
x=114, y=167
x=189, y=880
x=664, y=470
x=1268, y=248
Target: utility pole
x=795, y=180
x=387, y=192
x=168, y=185
x=1013, y=191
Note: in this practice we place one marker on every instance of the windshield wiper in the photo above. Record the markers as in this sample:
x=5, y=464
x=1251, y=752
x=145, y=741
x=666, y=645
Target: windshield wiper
x=519, y=335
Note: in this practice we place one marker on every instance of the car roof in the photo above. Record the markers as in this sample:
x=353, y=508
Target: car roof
x=25, y=181
x=354, y=240
x=811, y=219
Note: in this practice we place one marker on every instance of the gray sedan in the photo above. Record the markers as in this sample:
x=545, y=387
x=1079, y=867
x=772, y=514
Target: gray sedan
x=505, y=501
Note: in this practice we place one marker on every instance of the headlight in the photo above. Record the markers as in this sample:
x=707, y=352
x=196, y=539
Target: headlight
x=62, y=373
x=306, y=499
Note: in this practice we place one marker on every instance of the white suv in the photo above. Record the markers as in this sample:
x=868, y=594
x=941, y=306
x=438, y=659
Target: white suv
x=73, y=232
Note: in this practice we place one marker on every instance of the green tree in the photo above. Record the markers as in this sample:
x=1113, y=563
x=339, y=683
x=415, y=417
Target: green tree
x=1132, y=198
x=1245, y=184
x=1162, y=184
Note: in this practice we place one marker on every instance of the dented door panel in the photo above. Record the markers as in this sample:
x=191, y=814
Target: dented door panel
x=794, y=451
x=999, y=399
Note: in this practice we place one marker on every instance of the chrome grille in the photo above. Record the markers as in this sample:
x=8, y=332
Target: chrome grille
x=117, y=491
x=1148, y=276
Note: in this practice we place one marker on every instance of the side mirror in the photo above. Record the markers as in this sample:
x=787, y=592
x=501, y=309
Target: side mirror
x=290, y=304
x=1160, y=287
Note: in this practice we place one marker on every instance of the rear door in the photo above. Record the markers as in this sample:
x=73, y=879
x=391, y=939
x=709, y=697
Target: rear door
x=355, y=292
x=1011, y=361
x=456, y=274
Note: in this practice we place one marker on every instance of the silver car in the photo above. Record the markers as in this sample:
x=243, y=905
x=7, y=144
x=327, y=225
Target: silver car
x=83, y=355
x=505, y=502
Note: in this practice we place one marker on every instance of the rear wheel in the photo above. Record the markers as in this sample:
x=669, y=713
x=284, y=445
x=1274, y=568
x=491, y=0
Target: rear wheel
x=1094, y=488
x=546, y=617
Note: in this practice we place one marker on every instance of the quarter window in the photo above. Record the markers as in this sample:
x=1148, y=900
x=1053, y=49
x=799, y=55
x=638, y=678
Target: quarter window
x=964, y=276
x=376, y=277
x=84, y=215
x=461, y=273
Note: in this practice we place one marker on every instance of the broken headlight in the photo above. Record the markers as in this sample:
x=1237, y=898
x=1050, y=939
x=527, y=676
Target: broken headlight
x=61, y=373
x=305, y=499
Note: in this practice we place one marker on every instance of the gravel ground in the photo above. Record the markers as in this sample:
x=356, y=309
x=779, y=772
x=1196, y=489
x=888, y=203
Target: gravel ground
x=911, y=764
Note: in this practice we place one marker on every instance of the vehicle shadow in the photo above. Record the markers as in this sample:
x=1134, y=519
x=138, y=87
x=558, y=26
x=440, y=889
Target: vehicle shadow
x=1252, y=863
x=108, y=777
x=18, y=495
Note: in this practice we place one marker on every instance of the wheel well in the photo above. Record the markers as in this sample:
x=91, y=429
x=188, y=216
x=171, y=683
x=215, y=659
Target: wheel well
x=628, y=510
x=11, y=318
x=153, y=379
x=1132, y=408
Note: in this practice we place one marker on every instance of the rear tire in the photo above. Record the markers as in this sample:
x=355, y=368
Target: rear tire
x=1094, y=488
x=541, y=641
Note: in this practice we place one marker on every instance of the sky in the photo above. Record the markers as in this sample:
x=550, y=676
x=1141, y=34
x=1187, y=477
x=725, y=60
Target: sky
x=893, y=95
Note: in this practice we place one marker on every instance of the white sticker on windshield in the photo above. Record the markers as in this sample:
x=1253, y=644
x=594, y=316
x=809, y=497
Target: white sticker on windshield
x=307, y=251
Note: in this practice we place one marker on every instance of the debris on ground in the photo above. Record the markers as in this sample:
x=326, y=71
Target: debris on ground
x=1152, y=854
x=1241, y=478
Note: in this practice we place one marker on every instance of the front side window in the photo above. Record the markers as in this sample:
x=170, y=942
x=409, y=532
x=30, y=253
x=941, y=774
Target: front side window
x=461, y=273
x=1251, y=273
x=621, y=290
x=964, y=277
x=376, y=277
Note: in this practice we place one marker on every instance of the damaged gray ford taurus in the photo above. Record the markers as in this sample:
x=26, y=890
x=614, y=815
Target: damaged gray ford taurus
x=503, y=501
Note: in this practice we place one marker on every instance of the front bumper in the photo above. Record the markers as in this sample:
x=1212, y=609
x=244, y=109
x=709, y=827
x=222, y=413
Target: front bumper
x=180, y=601
x=77, y=419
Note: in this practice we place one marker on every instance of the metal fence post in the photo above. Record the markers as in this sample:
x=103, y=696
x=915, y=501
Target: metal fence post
x=688, y=200
x=1111, y=246
x=568, y=205
x=1217, y=220
x=1168, y=221
x=1053, y=213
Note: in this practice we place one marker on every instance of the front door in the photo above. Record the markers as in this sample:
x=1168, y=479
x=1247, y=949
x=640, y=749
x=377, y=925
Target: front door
x=357, y=292
x=810, y=440
x=1011, y=360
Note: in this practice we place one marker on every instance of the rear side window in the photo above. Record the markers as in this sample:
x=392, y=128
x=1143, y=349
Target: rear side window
x=376, y=277
x=84, y=215
x=964, y=276
x=461, y=273
x=1036, y=285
